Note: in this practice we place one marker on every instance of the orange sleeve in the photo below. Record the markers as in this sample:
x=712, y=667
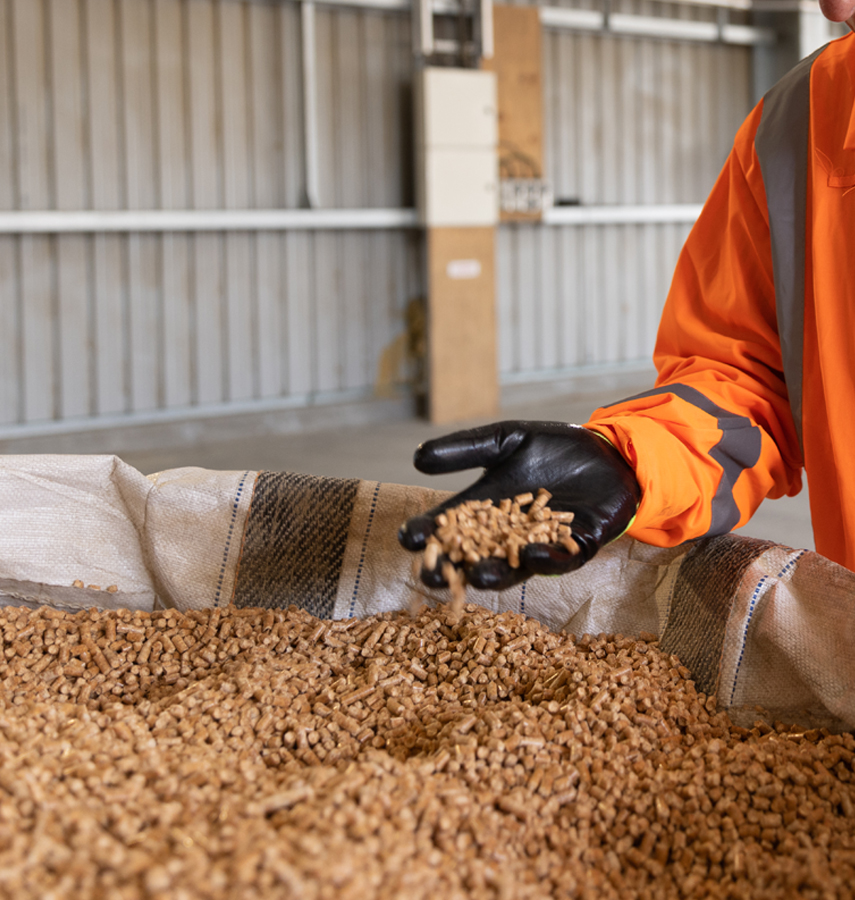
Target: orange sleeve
x=716, y=436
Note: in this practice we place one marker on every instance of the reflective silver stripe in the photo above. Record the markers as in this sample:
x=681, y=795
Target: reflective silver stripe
x=781, y=143
x=738, y=450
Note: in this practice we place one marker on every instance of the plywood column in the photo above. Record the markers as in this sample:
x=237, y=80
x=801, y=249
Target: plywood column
x=517, y=62
x=463, y=370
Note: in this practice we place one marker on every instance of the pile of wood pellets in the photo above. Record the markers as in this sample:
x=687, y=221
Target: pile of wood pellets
x=264, y=754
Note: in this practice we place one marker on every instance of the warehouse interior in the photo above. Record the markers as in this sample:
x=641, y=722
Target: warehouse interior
x=225, y=218
x=252, y=254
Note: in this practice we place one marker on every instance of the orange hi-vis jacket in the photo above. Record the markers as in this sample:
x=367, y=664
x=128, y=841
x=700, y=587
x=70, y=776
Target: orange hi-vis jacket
x=756, y=346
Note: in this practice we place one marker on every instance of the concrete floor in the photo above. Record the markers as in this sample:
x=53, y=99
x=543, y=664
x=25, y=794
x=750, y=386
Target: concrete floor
x=383, y=452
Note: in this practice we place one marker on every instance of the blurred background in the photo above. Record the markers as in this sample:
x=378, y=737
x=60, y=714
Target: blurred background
x=305, y=235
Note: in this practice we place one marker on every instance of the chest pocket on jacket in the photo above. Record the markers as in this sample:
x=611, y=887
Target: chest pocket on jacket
x=841, y=179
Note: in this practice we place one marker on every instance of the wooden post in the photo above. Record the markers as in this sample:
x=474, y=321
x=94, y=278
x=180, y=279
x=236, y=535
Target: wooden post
x=462, y=363
x=519, y=81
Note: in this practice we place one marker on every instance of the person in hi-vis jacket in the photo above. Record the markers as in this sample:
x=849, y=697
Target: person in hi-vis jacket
x=755, y=358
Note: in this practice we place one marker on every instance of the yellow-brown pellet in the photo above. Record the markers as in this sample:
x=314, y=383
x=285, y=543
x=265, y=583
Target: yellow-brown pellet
x=469, y=756
x=477, y=530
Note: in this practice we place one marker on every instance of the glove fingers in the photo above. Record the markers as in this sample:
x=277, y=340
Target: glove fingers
x=433, y=578
x=489, y=574
x=470, y=449
x=413, y=534
x=494, y=574
x=549, y=559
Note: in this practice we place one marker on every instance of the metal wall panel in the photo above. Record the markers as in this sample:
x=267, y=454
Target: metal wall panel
x=572, y=297
x=197, y=104
x=319, y=310
x=627, y=121
x=632, y=120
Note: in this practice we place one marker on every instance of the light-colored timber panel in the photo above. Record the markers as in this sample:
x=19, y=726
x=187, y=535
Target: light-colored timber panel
x=518, y=66
x=463, y=379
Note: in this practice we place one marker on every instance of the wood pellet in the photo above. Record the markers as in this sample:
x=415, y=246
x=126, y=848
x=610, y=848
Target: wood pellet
x=263, y=754
x=478, y=529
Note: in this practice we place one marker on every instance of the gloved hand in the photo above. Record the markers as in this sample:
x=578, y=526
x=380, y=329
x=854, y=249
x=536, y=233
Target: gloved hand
x=584, y=473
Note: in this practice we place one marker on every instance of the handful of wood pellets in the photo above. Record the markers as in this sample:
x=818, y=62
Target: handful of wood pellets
x=479, y=529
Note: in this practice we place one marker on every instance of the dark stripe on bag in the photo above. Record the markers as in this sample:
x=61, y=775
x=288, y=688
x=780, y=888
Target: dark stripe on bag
x=738, y=449
x=701, y=602
x=295, y=539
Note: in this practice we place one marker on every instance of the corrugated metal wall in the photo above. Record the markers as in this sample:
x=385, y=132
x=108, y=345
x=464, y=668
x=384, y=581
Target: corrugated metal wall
x=196, y=104
x=575, y=296
x=632, y=120
x=137, y=104
x=628, y=121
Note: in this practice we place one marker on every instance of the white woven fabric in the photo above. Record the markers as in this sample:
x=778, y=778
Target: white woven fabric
x=783, y=633
x=171, y=539
x=789, y=642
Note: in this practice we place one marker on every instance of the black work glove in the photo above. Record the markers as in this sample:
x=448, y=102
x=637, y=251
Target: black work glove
x=582, y=471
